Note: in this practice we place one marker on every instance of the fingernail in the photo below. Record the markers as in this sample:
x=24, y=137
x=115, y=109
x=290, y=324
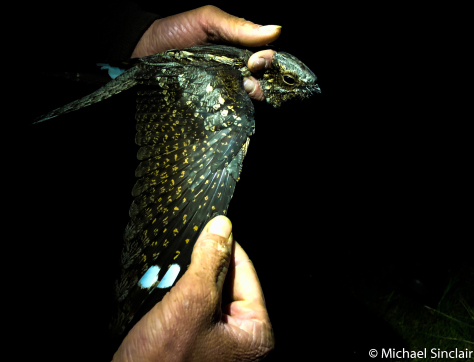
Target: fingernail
x=249, y=86
x=220, y=225
x=269, y=28
x=258, y=63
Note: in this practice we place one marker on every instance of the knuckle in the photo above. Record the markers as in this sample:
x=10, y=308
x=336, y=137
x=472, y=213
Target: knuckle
x=209, y=8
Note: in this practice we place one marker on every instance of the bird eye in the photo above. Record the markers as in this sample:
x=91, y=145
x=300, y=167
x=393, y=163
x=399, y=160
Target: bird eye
x=288, y=79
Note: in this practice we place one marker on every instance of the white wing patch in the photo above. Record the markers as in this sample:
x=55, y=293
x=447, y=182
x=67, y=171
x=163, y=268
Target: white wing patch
x=150, y=277
x=170, y=276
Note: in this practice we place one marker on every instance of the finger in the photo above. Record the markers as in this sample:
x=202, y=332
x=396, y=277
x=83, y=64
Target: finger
x=247, y=294
x=223, y=27
x=258, y=62
x=207, y=24
x=211, y=254
x=261, y=60
x=252, y=87
x=246, y=284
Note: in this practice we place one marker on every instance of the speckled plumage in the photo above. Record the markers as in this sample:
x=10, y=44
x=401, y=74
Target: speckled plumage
x=194, y=120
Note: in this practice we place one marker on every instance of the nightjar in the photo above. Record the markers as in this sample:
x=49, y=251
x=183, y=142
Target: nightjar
x=194, y=120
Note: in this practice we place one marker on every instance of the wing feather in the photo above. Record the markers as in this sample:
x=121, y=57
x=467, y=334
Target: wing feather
x=192, y=128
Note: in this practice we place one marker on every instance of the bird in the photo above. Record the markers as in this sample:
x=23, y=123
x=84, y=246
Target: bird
x=194, y=120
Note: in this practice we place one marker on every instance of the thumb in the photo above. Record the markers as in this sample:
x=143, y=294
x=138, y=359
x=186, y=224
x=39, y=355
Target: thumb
x=212, y=252
x=231, y=29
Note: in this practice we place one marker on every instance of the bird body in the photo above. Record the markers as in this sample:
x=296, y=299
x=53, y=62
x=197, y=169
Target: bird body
x=194, y=120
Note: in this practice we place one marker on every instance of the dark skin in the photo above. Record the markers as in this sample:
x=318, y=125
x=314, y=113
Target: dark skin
x=209, y=24
x=190, y=323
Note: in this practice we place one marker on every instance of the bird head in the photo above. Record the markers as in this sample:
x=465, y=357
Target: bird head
x=287, y=78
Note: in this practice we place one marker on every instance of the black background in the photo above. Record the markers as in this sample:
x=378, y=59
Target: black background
x=365, y=172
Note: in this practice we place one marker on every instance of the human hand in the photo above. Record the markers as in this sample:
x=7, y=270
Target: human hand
x=190, y=324
x=209, y=24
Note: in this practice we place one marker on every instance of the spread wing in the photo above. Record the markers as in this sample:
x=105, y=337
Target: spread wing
x=193, y=123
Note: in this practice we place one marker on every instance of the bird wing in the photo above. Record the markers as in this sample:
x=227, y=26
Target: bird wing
x=193, y=123
x=115, y=86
